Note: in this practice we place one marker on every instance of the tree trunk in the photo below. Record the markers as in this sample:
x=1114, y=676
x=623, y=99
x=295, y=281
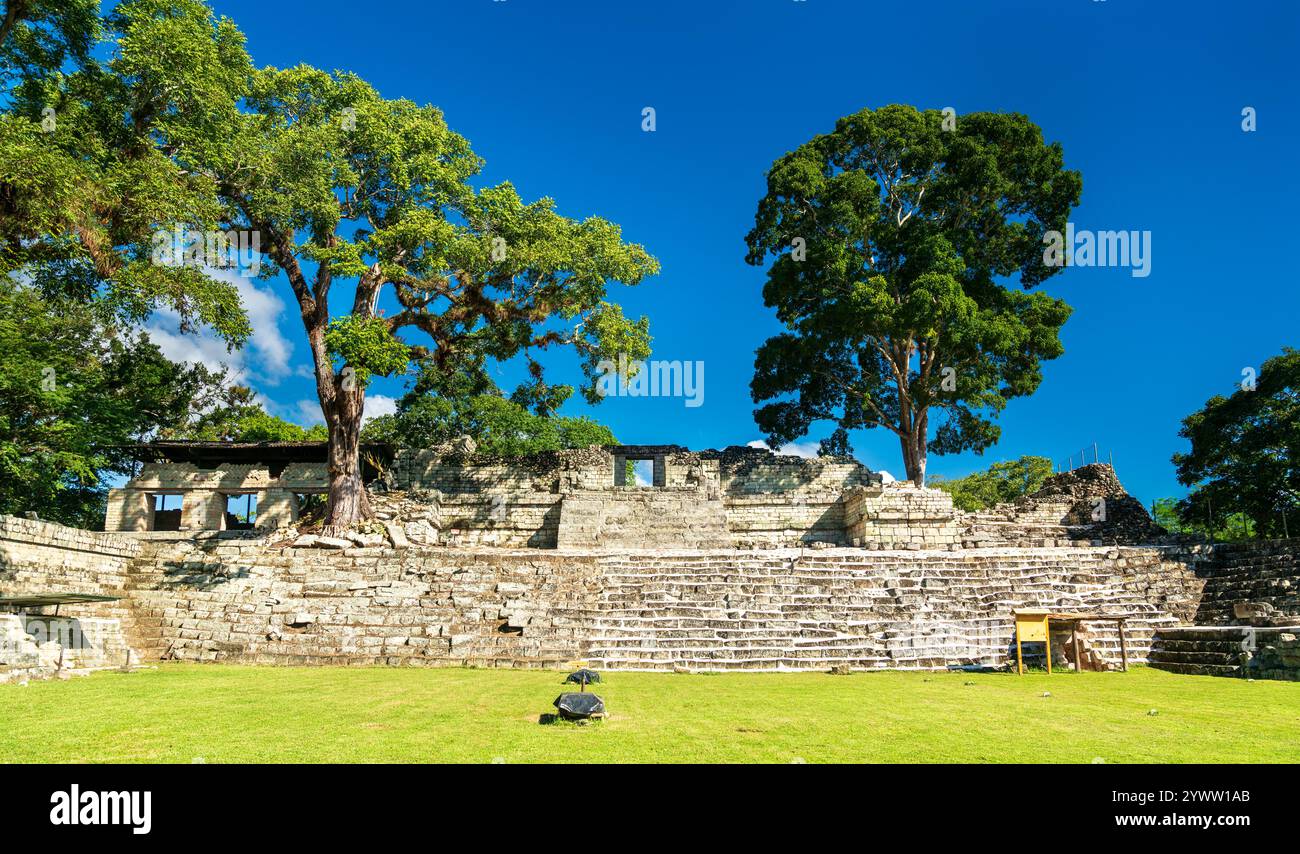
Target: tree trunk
x=348, y=501
x=342, y=398
x=914, y=452
x=342, y=402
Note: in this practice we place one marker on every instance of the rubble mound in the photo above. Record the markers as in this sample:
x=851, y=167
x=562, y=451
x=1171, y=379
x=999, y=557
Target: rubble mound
x=1098, y=504
x=1092, y=480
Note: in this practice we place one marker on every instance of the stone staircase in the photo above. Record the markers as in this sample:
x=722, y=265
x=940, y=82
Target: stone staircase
x=719, y=609
x=1242, y=651
x=1251, y=582
x=1248, y=619
x=1200, y=650
x=1003, y=525
x=932, y=610
x=143, y=625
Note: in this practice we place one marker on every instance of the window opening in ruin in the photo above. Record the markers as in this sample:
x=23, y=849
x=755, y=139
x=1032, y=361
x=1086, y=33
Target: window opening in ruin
x=167, y=512
x=241, y=511
x=310, y=503
x=643, y=472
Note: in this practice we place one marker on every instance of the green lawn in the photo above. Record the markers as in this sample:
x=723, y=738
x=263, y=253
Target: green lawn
x=213, y=713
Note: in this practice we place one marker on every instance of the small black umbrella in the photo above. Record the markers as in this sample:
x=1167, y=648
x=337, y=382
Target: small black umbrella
x=583, y=677
x=576, y=706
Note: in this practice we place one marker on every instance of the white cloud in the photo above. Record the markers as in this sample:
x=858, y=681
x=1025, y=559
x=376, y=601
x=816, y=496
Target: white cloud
x=306, y=413
x=265, y=358
x=377, y=405
x=807, y=450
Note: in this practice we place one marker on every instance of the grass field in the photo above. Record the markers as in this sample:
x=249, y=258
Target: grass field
x=214, y=713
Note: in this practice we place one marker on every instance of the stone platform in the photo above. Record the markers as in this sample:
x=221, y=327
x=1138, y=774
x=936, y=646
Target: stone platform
x=254, y=598
x=775, y=609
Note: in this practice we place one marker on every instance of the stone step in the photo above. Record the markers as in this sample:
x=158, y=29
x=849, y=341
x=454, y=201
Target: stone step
x=1197, y=669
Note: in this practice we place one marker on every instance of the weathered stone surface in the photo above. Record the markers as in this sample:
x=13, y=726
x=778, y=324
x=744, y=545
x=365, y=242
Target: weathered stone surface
x=234, y=598
x=396, y=535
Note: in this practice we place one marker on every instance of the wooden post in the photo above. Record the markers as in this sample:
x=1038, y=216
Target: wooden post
x=1020, y=657
x=1123, y=651
x=1074, y=638
x=1047, y=643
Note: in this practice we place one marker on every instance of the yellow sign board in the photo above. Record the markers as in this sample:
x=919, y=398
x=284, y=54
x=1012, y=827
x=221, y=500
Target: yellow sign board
x=1031, y=628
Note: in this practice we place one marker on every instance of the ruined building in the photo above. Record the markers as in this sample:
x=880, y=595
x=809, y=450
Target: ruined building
x=639, y=557
x=644, y=496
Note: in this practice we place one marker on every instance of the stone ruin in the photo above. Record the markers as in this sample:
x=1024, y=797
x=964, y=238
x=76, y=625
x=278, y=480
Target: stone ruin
x=739, y=497
x=639, y=557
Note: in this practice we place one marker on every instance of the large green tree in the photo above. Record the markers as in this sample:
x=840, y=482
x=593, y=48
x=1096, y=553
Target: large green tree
x=343, y=189
x=74, y=391
x=894, y=238
x=87, y=179
x=344, y=185
x=1245, y=453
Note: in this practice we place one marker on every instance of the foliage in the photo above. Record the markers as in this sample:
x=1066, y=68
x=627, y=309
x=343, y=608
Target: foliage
x=1000, y=483
x=73, y=390
x=365, y=345
x=238, y=417
x=891, y=238
x=1231, y=527
x=38, y=36
x=1245, y=454
x=499, y=426
x=86, y=181
x=175, y=129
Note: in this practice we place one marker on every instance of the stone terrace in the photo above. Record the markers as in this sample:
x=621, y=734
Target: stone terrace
x=784, y=609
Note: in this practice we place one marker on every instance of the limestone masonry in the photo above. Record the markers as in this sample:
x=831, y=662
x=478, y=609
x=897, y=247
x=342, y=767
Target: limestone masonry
x=635, y=557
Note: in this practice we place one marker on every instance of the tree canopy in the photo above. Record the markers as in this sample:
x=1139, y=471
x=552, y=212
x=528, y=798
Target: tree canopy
x=892, y=237
x=74, y=389
x=443, y=406
x=177, y=131
x=1245, y=453
x=235, y=415
x=498, y=426
x=87, y=172
x=999, y=483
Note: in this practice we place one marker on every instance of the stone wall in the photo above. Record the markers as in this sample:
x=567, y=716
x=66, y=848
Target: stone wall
x=670, y=517
x=34, y=646
x=241, y=598
x=44, y=558
x=453, y=496
x=247, y=601
x=747, y=497
x=900, y=516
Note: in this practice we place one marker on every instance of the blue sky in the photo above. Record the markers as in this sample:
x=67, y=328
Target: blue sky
x=1146, y=99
